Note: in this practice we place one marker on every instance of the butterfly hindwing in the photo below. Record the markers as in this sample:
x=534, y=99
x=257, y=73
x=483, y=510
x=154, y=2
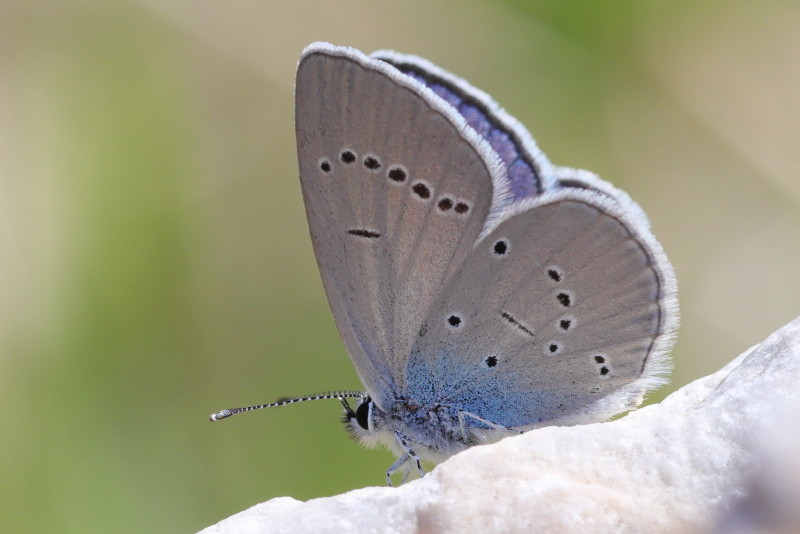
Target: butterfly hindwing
x=562, y=313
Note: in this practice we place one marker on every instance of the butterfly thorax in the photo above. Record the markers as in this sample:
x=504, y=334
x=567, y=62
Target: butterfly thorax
x=434, y=431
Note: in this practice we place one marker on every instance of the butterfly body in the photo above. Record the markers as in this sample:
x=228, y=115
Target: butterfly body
x=434, y=432
x=480, y=291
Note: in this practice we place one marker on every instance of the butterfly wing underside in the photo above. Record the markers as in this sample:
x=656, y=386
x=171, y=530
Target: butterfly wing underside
x=396, y=195
x=561, y=314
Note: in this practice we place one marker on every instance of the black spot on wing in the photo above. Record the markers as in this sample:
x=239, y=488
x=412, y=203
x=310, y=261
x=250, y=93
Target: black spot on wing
x=508, y=317
x=361, y=232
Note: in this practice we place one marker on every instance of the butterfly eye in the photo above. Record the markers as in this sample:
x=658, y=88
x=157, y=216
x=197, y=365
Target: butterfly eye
x=362, y=413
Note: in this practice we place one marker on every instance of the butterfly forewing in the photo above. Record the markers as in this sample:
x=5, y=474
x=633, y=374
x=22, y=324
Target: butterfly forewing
x=396, y=196
x=561, y=308
x=529, y=171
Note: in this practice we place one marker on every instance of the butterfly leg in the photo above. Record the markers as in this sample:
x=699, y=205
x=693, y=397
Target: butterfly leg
x=400, y=462
x=405, y=443
x=462, y=424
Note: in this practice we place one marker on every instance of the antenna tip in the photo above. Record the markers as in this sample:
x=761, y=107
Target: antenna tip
x=222, y=414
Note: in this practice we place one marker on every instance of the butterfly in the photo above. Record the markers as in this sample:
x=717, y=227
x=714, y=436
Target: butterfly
x=480, y=290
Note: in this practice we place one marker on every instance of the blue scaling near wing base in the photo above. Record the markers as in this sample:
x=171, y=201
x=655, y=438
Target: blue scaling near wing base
x=501, y=398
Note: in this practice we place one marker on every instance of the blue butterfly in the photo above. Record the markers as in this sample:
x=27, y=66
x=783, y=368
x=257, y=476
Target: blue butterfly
x=480, y=291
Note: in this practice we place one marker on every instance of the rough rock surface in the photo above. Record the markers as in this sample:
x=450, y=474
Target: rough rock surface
x=718, y=455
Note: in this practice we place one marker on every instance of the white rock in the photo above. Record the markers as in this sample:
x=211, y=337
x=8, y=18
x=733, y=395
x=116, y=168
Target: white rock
x=702, y=460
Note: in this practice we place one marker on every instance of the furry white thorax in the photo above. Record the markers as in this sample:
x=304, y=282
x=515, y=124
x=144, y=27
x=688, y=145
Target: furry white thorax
x=434, y=433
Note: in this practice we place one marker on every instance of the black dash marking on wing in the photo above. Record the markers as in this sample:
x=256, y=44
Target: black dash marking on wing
x=507, y=316
x=360, y=232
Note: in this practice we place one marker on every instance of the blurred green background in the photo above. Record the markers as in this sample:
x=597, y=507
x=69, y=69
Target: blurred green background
x=156, y=263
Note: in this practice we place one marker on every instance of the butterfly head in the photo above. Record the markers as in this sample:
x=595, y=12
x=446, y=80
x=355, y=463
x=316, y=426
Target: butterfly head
x=357, y=422
x=366, y=423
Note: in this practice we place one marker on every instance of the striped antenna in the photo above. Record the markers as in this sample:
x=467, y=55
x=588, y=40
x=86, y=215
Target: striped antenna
x=340, y=395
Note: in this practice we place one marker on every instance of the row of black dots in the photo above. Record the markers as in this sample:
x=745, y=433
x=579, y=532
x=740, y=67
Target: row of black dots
x=445, y=203
x=602, y=363
x=565, y=299
x=567, y=322
x=399, y=175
